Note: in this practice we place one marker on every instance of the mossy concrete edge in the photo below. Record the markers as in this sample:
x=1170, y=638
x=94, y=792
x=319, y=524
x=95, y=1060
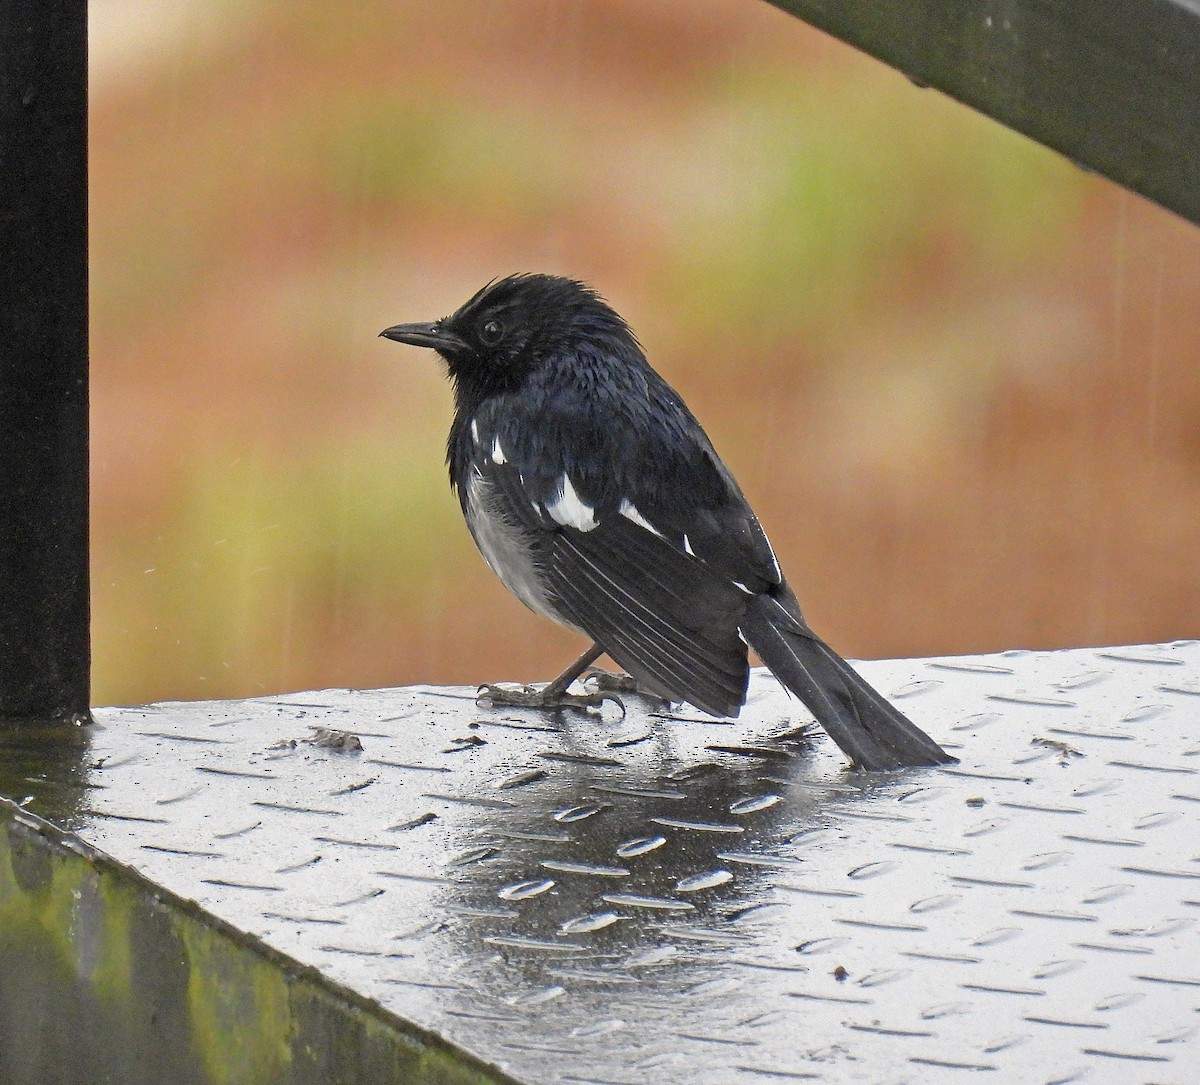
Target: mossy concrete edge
x=110, y=978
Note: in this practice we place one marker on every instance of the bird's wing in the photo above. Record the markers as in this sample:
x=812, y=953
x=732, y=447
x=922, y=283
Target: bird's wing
x=646, y=594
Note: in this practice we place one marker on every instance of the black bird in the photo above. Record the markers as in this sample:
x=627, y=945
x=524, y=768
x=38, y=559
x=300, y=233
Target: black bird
x=595, y=496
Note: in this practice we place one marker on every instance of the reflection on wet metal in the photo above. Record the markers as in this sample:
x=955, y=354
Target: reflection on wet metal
x=45, y=767
x=576, y=904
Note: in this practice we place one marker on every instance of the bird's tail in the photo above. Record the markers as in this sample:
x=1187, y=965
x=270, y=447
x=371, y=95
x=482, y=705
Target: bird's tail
x=869, y=730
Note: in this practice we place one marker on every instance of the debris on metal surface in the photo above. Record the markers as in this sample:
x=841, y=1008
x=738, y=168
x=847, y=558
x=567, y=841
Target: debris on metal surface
x=666, y=897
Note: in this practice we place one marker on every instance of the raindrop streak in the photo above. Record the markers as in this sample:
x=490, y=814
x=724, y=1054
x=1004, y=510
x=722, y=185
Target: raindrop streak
x=1155, y=355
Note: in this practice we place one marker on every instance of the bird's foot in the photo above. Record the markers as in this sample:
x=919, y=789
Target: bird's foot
x=601, y=681
x=546, y=698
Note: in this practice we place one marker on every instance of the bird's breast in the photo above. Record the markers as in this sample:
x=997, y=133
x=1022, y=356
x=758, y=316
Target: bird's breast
x=507, y=548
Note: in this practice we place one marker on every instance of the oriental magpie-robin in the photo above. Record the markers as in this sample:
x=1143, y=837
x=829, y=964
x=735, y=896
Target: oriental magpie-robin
x=595, y=496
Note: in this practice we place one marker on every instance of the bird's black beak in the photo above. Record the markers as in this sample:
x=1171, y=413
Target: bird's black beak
x=425, y=335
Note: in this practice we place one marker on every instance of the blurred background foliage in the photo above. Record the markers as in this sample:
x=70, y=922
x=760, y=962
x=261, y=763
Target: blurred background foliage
x=956, y=375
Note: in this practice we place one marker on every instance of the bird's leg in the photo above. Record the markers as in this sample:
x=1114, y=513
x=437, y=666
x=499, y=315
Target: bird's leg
x=562, y=683
x=553, y=694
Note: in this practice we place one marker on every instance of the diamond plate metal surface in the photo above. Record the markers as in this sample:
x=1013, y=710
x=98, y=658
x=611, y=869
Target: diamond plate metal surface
x=670, y=898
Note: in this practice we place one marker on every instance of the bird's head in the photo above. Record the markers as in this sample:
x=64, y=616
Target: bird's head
x=500, y=335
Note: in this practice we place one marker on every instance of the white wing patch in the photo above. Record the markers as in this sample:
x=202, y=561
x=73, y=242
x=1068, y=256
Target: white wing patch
x=570, y=510
x=475, y=432
x=630, y=512
x=774, y=560
x=498, y=455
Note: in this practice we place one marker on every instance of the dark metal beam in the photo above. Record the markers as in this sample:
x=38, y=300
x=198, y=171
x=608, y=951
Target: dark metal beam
x=1112, y=84
x=44, y=643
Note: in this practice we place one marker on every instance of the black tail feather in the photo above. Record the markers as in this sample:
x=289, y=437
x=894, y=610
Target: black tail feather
x=868, y=728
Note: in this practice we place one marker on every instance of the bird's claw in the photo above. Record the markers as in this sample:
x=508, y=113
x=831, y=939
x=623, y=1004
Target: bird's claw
x=512, y=695
x=600, y=680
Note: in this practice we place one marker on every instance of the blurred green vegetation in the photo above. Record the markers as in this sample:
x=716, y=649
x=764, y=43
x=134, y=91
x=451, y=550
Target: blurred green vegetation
x=256, y=543
x=846, y=191
x=870, y=296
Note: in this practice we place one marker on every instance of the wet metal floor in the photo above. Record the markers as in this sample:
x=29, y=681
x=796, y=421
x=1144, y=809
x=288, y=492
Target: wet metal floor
x=676, y=899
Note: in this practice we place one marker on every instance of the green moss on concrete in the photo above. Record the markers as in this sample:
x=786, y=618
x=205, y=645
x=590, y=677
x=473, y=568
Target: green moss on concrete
x=239, y=1009
x=73, y=908
x=110, y=981
x=112, y=966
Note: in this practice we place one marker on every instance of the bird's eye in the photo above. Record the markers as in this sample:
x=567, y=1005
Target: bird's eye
x=491, y=332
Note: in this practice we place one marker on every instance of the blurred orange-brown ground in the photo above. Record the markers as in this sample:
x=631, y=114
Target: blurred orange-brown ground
x=956, y=376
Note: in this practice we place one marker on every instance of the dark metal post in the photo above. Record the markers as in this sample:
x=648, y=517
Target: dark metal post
x=44, y=643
